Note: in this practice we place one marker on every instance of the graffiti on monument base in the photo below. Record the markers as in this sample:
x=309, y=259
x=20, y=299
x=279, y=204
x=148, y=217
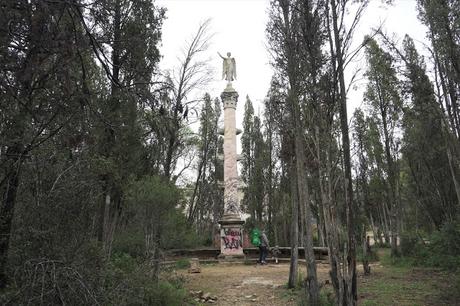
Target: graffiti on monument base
x=232, y=239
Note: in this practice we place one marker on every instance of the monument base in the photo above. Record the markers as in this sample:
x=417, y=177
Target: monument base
x=231, y=237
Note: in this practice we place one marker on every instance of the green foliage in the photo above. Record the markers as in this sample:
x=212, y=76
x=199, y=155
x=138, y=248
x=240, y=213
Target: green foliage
x=124, y=281
x=397, y=282
x=183, y=263
x=300, y=281
x=152, y=195
x=164, y=294
x=124, y=262
x=129, y=282
x=138, y=289
x=382, y=245
x=78, y=100
x=130, y=241
x=177, y=233
x=372, y=257
x=410, y=243
x=442, y=248
x=326, y=298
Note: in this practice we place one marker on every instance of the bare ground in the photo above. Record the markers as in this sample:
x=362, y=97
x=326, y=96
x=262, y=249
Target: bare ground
x=238, y=284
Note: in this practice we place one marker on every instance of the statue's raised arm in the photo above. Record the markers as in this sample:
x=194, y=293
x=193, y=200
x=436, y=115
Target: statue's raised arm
x=228, y=67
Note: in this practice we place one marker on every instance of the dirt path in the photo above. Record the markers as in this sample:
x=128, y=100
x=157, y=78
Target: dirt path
x=237, y=284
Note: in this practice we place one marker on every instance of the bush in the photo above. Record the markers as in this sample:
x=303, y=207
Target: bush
x=130, y=241
x=300, y=282
x=130, y=283
x=442, y=249
x=410, y=243
x=46, y=281
x=447, y=240
x=124, y=262
x=183, y=264
x=371, y=257
x=326, y=298
x=163, y=294
x=177, y=234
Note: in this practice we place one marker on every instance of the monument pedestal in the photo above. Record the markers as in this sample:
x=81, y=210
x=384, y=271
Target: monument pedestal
x=231, y=237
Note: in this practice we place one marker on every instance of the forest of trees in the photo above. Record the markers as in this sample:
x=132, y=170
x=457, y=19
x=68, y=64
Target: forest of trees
x=96, y=141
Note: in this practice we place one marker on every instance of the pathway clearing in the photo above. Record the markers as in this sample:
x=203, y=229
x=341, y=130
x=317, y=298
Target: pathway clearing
x=238, y=284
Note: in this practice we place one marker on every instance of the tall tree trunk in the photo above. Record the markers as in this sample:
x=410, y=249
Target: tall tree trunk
x=299, y=149
x=293, y=268
x=304, y=199
x=110, y=198
x=392, y=183
x=156, y=256
x=452, y=171
x=351, y=281
x=302, y=227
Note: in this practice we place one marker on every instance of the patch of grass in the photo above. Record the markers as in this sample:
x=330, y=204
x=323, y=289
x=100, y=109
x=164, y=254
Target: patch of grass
x=396, y=282
x=299, y=294
x=300, y=280
x=326, y=297
x=388, y=261
x=183, y=264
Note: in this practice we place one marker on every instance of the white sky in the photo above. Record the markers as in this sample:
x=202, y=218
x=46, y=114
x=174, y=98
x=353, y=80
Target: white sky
x=239, y=27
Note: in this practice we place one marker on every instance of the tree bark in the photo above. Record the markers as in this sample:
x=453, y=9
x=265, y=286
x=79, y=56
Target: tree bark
x=351, y=281
x=108, y=210
x=293, y=268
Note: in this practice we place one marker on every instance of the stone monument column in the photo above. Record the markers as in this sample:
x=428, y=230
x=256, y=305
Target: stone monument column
x=231, y=231
x=231, y=225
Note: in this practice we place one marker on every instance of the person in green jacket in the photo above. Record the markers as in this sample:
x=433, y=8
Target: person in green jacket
x=263, y=248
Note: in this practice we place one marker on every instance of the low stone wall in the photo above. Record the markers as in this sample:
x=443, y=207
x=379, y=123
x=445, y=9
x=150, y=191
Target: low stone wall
x=208, y=253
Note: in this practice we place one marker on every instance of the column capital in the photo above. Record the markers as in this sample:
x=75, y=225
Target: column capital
x=229, y=98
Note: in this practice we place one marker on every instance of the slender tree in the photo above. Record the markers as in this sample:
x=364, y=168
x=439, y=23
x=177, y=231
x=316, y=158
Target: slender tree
x=383, y=96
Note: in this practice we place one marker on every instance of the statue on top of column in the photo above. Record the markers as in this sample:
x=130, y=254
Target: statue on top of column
x=228, y=67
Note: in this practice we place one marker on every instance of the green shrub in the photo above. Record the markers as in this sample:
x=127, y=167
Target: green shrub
x=130, y=241
x=409, y=243
x=164, y=294
x=128, y=283
x=177, y=234
x=371, y=257
x=300, y=282
x=182, y=264
x=124, y=262
x=447, y=240
x=326, y=298
x=382, y=245
x=441, y=250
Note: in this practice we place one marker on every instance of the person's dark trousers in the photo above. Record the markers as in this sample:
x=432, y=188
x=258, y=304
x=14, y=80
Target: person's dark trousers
x=262, y=253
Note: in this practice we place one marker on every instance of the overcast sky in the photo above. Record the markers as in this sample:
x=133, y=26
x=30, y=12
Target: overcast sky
x=239, y=27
